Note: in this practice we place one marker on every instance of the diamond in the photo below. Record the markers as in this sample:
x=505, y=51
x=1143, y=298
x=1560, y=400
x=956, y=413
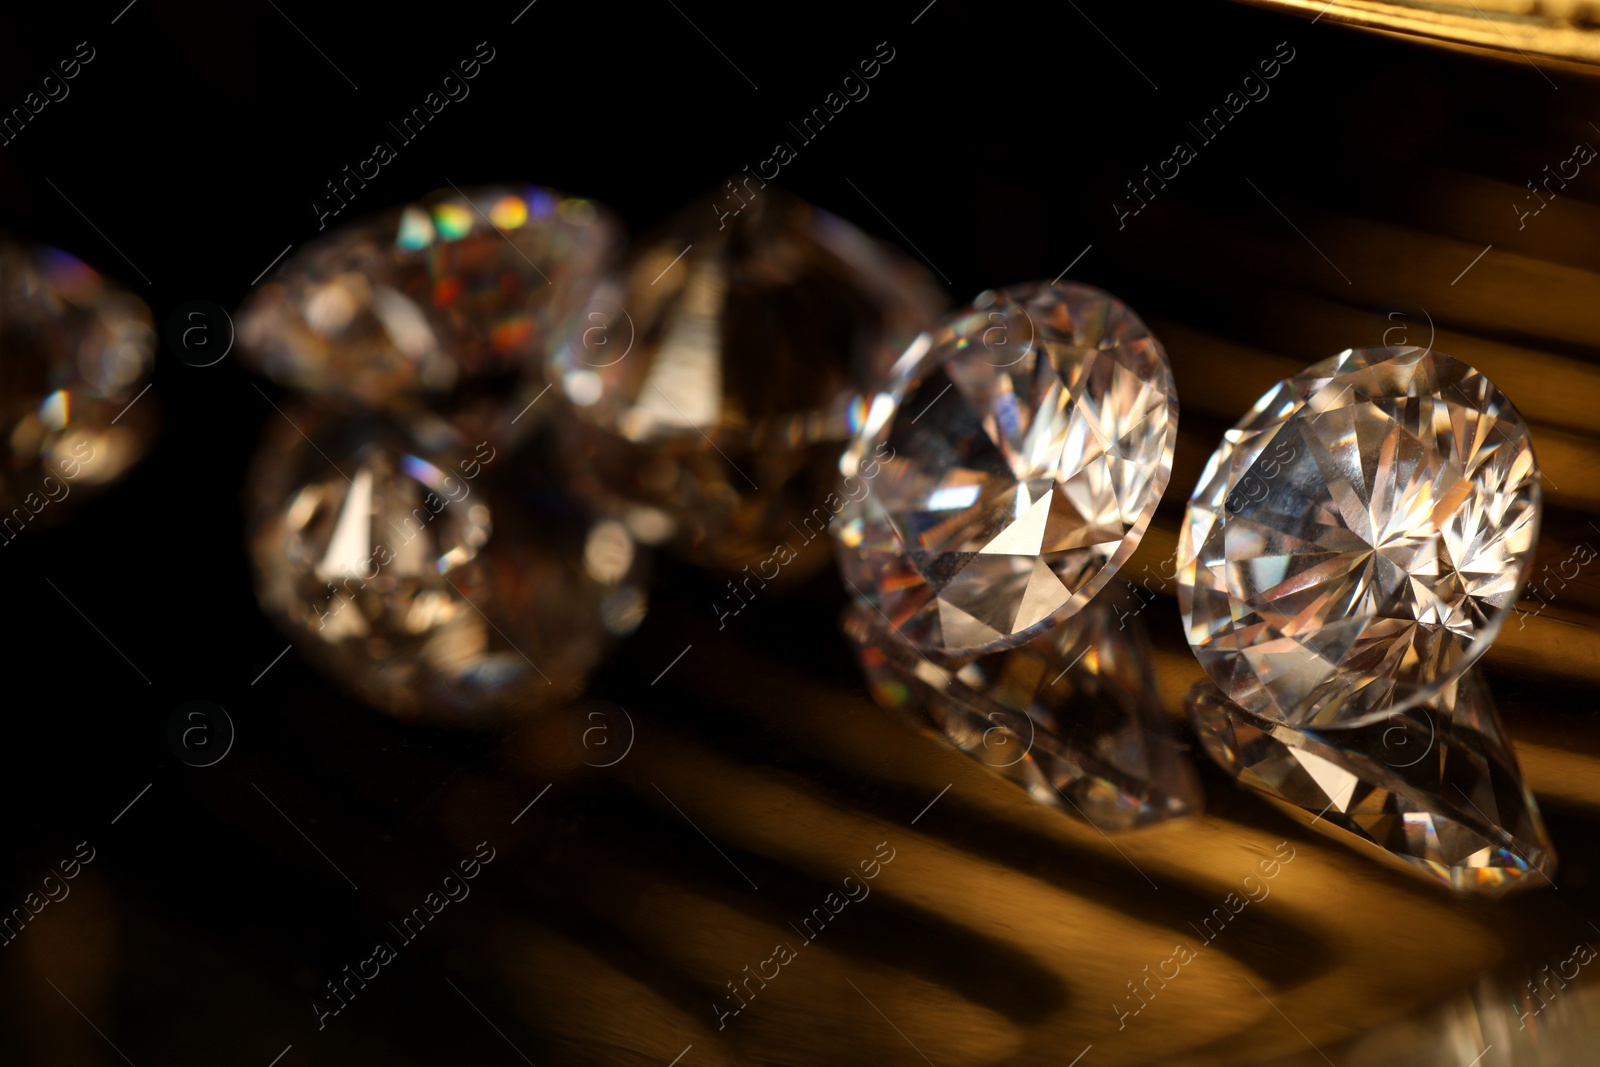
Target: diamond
x=1357, y=539
x=454, y=297
x=430, y=591
x=1072, y=716
x=1023, y=446
x=1434, y=788
x=712, y=383
x=76, y=351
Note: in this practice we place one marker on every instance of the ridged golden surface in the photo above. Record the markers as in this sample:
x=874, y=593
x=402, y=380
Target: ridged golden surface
x=1562, y=30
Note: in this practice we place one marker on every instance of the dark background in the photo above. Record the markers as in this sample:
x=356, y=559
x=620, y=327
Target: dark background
x=995, y=140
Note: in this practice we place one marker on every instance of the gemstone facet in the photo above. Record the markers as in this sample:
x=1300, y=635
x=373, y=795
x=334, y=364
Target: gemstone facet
x=76, y=351
x=429, y=592
x=452, y=298
x=1435, y=787
x=712, y=382
x=1024, y=444
x=1072, y=716
x=1357, y=539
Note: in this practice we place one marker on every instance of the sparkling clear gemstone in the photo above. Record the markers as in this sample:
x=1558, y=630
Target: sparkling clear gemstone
x=1357, y=539
x=453, y=298
x=712, y=383
x=400, y=562
x=1071, y=716
x=75, y=352
x=1435, y=787
x=1010, y=466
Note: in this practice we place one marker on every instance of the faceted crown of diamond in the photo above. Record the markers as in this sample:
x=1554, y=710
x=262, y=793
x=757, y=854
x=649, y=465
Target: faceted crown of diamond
x=1355, y=542
x=378, y=550
x=1011, y=464
x=764, y=327
x=416, y=301
x=63, y=326
x=714, y=380
x=75, y=351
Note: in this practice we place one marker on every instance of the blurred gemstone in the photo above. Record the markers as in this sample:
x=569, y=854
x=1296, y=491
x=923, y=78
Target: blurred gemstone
x=75, y=352
x=1357, y=539
x=1072, y=716
x=1435, y=788
x=713, y=382
x=400, y=561
x=1008, y=468
x=451, y=300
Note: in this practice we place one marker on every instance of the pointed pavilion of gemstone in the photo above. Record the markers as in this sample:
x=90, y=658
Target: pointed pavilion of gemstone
x=1072, y=716
x=1435, y=789
x=1012, y=463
